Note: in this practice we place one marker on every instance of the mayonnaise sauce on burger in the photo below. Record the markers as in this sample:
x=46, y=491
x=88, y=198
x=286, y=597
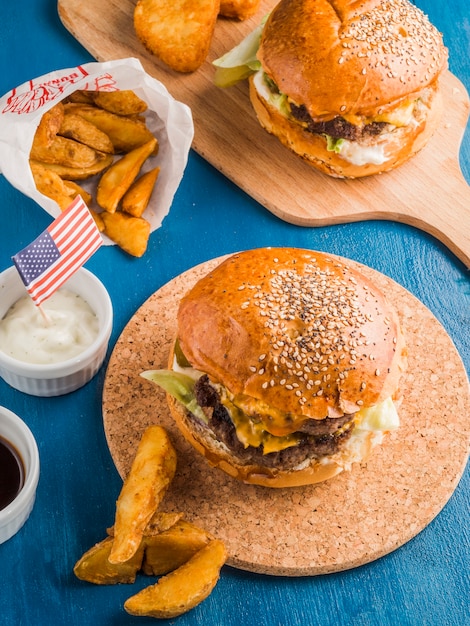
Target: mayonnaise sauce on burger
x=362, y=155
x=66, y=328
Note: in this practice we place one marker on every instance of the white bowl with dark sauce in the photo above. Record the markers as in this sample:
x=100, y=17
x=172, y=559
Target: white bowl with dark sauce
x=19, y=469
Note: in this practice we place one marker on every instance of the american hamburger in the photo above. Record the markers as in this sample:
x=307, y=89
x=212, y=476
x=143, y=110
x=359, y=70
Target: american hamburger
x=351, y=87
x=285, y=367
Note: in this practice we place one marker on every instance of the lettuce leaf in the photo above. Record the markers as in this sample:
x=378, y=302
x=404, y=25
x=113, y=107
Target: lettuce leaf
x=178, y=385
x=240, y=62
x=275, y=97
x=333, y=145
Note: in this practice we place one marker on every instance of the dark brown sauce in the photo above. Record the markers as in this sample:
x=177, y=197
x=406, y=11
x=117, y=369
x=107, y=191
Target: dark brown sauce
x=11, y=473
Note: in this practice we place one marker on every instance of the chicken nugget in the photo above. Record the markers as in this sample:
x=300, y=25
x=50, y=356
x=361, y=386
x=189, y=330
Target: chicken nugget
x=179, y=32
x=238, y=9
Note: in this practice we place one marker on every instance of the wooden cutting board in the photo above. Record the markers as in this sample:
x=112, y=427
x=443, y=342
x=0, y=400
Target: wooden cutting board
x=344, y=522
x=429, y=192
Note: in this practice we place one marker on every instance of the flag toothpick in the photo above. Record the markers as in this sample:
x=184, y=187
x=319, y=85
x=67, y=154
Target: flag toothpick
x=53, y=257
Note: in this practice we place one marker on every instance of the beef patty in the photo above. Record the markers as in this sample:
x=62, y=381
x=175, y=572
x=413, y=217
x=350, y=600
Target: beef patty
x=338, y=127
x=318, y=438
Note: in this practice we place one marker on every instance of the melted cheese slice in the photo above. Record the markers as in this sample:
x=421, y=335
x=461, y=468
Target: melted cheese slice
x=380, y=418
x=251, y=433
x=399, y=116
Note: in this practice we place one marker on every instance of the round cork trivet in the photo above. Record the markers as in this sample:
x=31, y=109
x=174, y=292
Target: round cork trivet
x=348, y=521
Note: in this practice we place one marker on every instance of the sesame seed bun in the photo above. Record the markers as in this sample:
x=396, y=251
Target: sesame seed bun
x=363, y=62
x=292, y=337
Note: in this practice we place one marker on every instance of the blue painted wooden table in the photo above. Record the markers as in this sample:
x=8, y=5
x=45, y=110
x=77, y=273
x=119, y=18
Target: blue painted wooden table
x=423, y=583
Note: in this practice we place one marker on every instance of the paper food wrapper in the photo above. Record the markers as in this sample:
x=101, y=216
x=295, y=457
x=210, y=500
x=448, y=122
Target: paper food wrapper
x=169, y=120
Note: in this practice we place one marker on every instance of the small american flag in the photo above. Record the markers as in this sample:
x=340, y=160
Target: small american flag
x=50, y=260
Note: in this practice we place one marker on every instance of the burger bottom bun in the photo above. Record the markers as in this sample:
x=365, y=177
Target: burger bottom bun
x=400, y=145
x=217, y=455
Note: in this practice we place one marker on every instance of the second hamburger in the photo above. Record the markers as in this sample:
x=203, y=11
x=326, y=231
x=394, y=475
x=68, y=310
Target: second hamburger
x=353, y=88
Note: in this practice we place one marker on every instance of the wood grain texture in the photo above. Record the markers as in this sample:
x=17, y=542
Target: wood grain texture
x=429, y=192
x=342, y=523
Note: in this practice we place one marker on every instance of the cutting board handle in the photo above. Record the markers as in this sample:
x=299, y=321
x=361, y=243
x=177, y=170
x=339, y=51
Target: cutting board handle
x=450, y=222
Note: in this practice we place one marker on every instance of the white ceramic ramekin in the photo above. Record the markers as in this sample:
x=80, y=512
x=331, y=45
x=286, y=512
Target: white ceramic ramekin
x=15, y=431
x=57, y=379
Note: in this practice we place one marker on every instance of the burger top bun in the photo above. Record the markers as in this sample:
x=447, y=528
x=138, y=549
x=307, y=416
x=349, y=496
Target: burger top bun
x=297, y=330
x=346, y=57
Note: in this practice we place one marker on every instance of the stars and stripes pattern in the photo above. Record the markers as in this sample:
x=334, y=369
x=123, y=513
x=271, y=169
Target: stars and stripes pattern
x=51, y=259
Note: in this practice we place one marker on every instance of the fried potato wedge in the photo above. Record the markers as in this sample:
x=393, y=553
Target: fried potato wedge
x=184, y=588
x=62, y=191
x=159, y=523
x=77, y=173
x=136, y=199
x=74, y=190
x=78, y=128
x=151, y=473
x=49, y=125
x=123, y=102
x=51, y=185
x=162, y=522
x=67, y=152
x=119, y=177
x=98, y=220
x=238, y=9
x=126, y=133
x=177, y=32
x=130, y=233
x=80, y=96
x=168, y=550
x=94, y=566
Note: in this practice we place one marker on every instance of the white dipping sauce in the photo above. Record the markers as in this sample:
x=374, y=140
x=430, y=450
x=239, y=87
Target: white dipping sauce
x=71, y=326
